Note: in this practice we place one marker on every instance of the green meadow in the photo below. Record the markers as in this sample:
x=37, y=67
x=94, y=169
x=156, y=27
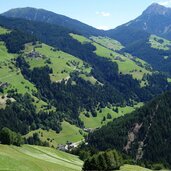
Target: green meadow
x=137, y=67
x=10, y=74
x=62, y=64
x=108, y=43
x=3, y=30
x=35, y=158
x=95, y=122
x=159, y=43
x=69, y=133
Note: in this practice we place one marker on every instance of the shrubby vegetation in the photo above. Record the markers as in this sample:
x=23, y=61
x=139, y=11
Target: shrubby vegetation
x=35, y=140
x=10, y=138
x=108, y=160
x=15, y=40
x=21, y=116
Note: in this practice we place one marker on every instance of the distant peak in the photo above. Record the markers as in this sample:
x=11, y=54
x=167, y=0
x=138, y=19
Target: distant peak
x=156, y=8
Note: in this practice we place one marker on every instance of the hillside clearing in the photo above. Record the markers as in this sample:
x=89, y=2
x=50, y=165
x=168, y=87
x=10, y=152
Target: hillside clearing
x=69, y=133
x=95, y=122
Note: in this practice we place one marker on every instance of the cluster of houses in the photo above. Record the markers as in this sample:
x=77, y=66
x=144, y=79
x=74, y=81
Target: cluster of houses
x=68, y=146
x=3, y=85
x=34, y=54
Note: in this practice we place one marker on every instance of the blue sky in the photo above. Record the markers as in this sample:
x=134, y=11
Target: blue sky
x=103, y=14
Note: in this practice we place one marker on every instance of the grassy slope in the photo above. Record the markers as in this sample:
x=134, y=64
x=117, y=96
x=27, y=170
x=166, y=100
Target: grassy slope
x=95, y=122
x=34, y=158
x=133, y=168
x=10, y=74
x=69, y=133
x=62, y=63
x=123, y=61
x=159, y=43
x=3, y=30
x=107, y=42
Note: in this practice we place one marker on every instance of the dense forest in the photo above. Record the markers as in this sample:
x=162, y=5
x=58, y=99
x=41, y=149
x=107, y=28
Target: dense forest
x=136, y=133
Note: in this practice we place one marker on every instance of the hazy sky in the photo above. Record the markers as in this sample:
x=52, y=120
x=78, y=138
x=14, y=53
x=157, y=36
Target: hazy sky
x=103, y=14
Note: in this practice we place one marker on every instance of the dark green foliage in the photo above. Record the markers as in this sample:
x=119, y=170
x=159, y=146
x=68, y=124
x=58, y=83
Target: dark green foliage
x=10, y=138
x=35, y=140
x=154, y=131
x=127, y=35
x=109, y=116
x=15, y=40
x=21, y=114
x=155, y=57
x=108, y=160
x=69, y=98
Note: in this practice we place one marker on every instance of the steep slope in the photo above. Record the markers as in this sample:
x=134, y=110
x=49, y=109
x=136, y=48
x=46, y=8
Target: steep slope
x=137, y=34
x=143, y=134
x=154, y=20
x=137, y=68
x=45, y=16
x=154, y=50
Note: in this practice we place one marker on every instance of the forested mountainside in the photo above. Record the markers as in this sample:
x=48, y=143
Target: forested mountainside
x=143, y=134
x=75, y=92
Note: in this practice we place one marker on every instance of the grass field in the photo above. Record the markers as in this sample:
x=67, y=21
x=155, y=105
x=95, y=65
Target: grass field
x=127, y=64
x=132, y=168
x=108, y=43
x=159, y=43
x=69, y=133
x=62, y=63
x=3, y=30
x=35, y=158
x=10, y=74
x=95, y=122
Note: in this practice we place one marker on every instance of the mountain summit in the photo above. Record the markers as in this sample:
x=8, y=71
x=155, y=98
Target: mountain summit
x=157, y=9
x=156, y=19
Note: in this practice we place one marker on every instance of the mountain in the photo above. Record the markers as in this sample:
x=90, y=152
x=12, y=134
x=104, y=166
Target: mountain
x=147, y=36
x=143, y=134
x=45, y=16
x=154, y=20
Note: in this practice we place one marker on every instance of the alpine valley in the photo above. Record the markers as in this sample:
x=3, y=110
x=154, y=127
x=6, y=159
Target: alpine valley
x=73, y=97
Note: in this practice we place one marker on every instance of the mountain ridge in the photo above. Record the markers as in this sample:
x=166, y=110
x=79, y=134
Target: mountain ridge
x=46, y=16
